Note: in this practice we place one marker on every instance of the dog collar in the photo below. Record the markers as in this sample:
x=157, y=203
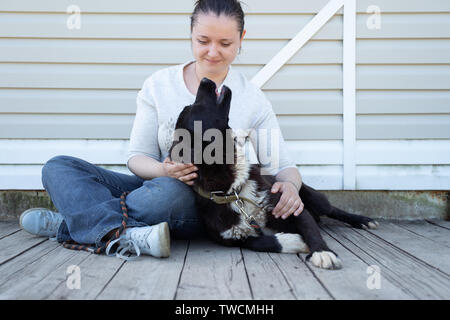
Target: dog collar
x=228, y=198
x=220, y=197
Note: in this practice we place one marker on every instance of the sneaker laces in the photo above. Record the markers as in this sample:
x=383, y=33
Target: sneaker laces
x=139, y=237
x=125, y=246
x=51, y=221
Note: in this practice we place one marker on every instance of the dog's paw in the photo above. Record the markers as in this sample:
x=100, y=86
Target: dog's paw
x=373, y=224
x=325, y=260
x=370, y=224
x=291, y=243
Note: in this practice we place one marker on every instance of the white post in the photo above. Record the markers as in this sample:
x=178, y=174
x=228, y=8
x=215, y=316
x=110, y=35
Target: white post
x=349, y=75
x=349, y=94
x=297, y=42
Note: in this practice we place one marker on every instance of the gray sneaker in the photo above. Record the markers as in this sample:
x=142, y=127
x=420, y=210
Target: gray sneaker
x=41, y=222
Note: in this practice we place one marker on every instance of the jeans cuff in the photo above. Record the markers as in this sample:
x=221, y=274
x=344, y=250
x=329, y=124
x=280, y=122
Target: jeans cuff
x=99, y=242
x=63, y=234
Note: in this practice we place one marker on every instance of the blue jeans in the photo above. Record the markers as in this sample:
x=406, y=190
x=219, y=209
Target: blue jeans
x=88, y=197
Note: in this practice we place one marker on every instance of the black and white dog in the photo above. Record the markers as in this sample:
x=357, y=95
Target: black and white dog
x=234, y=199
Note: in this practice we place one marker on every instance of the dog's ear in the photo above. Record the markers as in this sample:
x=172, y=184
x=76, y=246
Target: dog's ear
x=224, y=100
x=206, y=94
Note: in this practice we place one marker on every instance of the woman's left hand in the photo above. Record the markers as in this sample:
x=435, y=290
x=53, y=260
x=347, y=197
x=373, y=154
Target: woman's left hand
x=289, y=203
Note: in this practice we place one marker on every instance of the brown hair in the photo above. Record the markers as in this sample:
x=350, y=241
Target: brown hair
x=230, y=8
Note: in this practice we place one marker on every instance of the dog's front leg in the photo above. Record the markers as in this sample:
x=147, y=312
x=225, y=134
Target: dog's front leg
x=279, y=242
x=320, y=255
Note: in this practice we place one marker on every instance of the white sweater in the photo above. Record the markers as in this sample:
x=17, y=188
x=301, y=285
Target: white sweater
x=164, y=95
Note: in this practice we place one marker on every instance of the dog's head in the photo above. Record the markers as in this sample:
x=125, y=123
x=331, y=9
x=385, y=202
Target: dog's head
x=202, y=130
x=211, y=110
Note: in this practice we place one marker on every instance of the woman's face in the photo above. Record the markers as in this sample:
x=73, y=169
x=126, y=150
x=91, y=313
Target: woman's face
x=215, y=42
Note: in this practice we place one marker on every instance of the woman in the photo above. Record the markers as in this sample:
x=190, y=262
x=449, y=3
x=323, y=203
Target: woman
x=87, y=196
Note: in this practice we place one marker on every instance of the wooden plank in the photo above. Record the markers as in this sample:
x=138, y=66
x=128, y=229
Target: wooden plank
x=291, y=102
x=68, y=101
x=289, y=77
x=95, y=273
x=406, y=126
x=28, y=177
x=110, y=6
x=398, y=102
x=371, y=51
x=321, y=127
x=442, y=223
x=304, y=152
x=415, y=278
x=111, y=152
x=315, y=152
x=313, y=127
x=405, y=26
x=148, y=277
x=250, y=6
x=176, y=26
x=8, y=227
x=403, y=77
x=301, y=280
x=124, y=101
x=403, y=152
x=42, y=276
x=418, y=6
x=266, y=280
x=284, y=102
x=62, y=126
x=350, y=282
x=152, y=26
x=403, y=177
x=116, y=126
x=402, y=51
x=108, y=152
x=280, y=276
x=328, y=177
x=213, y=272
x=434, y=253
x=139, y=6
x=427, y=230
x=19, y=263
x=322, y=177
x=16, y=244
x=132, y=76
x=160, y=51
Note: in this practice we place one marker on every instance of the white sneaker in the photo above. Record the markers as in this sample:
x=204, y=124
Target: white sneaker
x=151, y=240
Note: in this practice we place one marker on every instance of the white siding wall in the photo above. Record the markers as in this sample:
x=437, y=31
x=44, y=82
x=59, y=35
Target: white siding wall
x=73, y=91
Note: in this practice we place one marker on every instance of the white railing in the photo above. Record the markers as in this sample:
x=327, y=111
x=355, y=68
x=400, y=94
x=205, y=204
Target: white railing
x=349, y=75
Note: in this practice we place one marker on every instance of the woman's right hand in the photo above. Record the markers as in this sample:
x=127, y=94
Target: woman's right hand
x=181, y=171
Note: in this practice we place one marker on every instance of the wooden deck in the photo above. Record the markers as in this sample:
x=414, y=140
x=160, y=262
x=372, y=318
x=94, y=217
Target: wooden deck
x=412, y=258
